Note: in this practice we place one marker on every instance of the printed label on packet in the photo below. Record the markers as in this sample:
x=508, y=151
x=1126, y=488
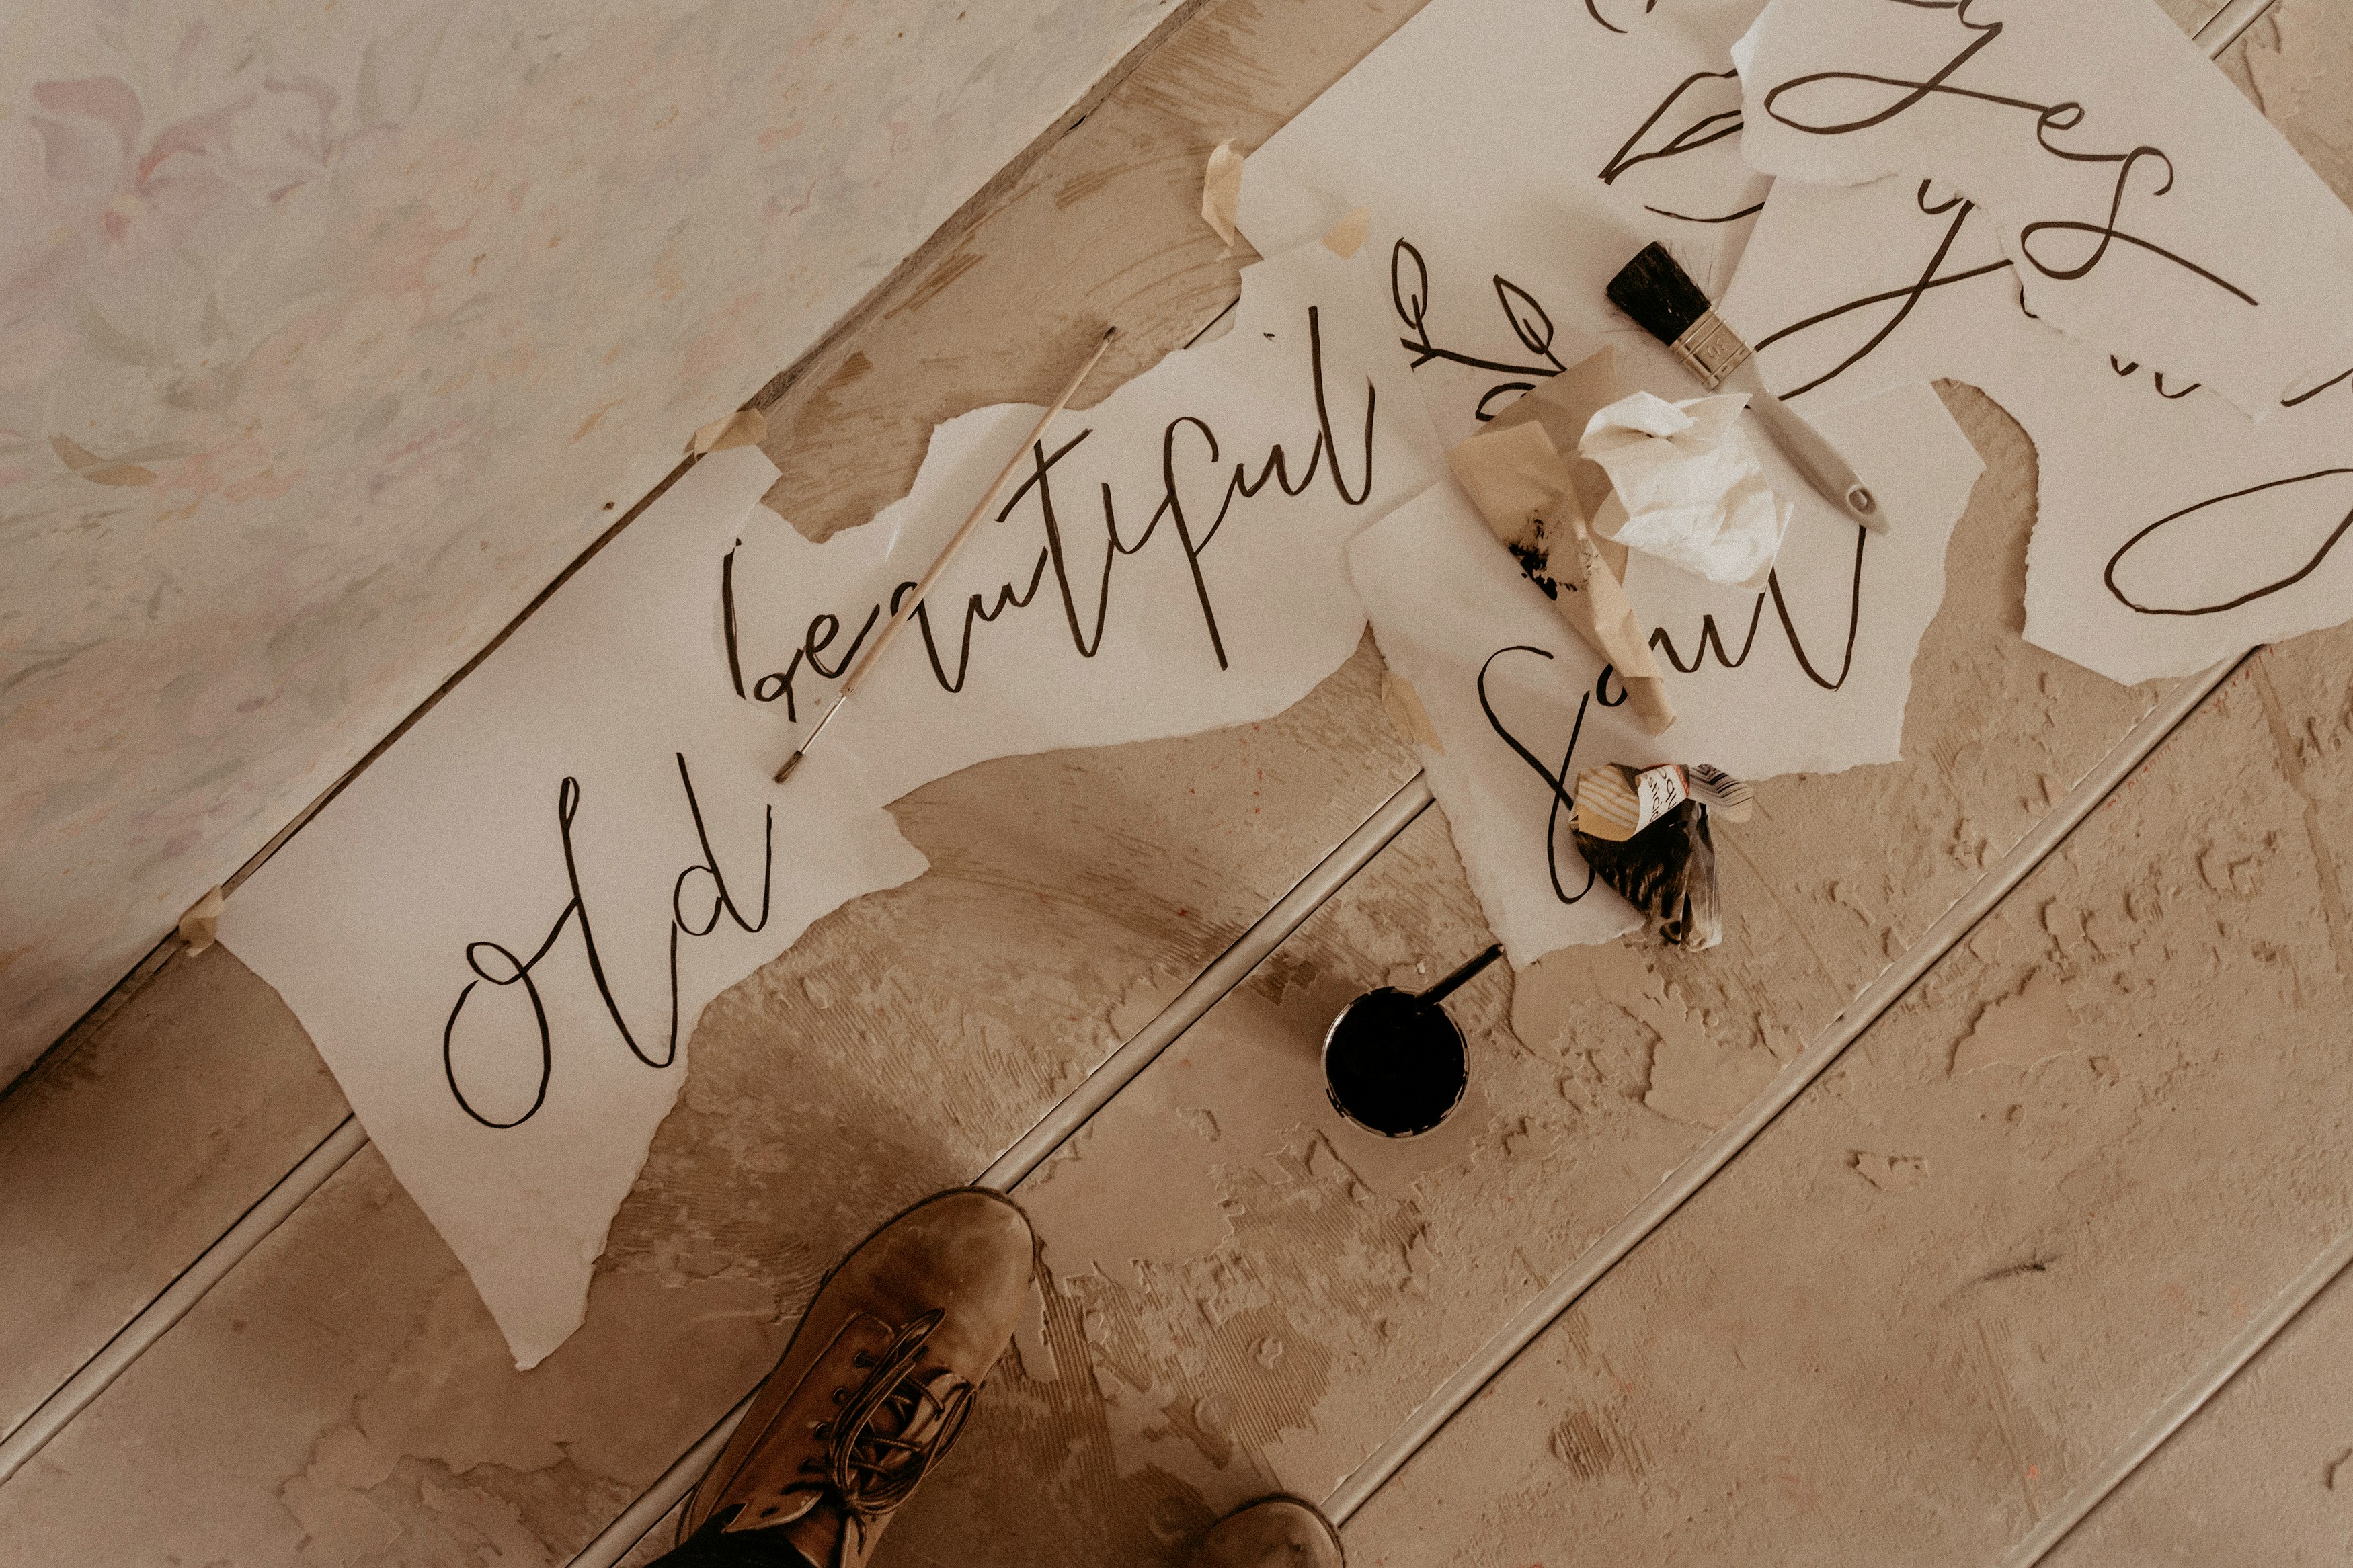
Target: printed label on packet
x=1615, y=802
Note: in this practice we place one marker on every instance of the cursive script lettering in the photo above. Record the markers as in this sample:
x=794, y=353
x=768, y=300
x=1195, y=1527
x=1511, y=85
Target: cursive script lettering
x=1184, y=440
x=496, y=965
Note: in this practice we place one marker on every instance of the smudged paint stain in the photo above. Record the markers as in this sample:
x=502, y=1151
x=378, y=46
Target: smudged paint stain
x=1592, y=1445
x=1888, y=1172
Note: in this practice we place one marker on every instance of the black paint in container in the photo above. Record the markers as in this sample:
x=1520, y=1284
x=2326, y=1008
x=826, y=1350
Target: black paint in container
x=1394, y=1062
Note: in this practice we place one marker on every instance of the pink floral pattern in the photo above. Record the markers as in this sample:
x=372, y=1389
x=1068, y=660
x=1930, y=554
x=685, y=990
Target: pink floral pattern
x=327, y=333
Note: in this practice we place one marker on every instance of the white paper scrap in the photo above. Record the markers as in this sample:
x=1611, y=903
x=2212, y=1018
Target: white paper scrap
x=2172, y=533
x=478, y=932
x=2145, y=205
x=1511, y=692
x=500, y=936
x=1686, y=487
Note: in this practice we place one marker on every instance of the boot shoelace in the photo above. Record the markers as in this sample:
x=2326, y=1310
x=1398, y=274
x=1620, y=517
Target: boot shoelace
x=891, y=1428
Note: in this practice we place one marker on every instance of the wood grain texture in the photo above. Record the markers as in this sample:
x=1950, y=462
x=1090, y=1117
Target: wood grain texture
x=899, y=1047
x=2263, y=1475
x=342, y=1397
x=123, y=1159
x=2015, y=1218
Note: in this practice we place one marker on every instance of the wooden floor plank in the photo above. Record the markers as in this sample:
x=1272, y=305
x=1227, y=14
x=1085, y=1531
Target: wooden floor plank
x=123, y=1160
x=2263, y=1475
x=342, y=1398
x=2025, y=1207
x=1302, y=1287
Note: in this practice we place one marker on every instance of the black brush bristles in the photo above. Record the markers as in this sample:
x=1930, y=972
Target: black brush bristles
x=1657, y=292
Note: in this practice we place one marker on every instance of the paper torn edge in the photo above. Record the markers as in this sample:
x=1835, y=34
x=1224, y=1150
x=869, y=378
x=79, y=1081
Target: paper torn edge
x=200, y=926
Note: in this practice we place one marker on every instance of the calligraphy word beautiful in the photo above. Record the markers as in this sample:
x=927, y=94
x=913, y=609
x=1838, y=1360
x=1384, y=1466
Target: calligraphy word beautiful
x=1187, y=439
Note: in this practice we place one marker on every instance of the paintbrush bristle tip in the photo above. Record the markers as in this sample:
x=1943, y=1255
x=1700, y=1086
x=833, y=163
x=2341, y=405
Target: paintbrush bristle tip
x=1656, y=291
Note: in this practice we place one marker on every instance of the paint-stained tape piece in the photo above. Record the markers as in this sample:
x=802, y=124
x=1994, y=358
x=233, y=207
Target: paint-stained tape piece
x=744, y=427
x=1347, y=237
x=1615, y=802
x=201, y=925
x=1402, y=703
x=1668, y=873
x=1221, y=191
x=1534, y=498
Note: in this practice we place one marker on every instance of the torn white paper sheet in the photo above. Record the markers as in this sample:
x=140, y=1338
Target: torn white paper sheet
x=2145, y=206
x=1686, y=487
x=2172, y=531
x=1810, y=675
x=1546, y=146
x=480, y=932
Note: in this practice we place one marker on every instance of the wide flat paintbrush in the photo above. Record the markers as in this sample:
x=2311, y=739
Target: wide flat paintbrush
x=1657, y=292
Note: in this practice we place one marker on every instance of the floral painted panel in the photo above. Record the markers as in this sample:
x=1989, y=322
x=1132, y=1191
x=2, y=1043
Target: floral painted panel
x=330, y=333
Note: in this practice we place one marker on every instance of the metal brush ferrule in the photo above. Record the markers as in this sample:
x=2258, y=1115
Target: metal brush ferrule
x=1711, y=349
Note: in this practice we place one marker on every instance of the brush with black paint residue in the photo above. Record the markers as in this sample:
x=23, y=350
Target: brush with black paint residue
x=1657, y=293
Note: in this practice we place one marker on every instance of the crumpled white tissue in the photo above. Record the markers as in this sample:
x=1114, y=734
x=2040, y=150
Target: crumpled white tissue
x=1686, y=485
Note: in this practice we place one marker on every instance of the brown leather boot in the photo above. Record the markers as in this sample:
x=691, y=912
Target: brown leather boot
x=877, y=1380
x=1272, y=1532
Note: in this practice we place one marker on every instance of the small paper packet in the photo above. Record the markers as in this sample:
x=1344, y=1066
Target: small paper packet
x=1615, y=802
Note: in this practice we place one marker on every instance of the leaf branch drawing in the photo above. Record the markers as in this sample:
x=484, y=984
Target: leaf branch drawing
x=1530, y=323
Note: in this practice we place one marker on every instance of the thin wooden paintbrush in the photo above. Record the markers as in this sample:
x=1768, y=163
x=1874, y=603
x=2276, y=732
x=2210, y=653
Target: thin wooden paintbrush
x=906, y=612
x=1657, y=292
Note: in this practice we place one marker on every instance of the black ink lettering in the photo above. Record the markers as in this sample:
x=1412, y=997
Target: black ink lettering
x=2108, y=575
x=727, y=602
x=2051, y=119
x=1557, y=782
x=519, y=971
